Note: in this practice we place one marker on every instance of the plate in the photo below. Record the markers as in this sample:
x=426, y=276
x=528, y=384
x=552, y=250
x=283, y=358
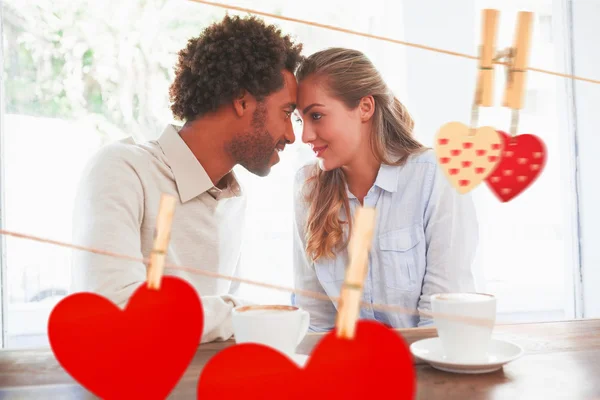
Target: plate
x=500, y=353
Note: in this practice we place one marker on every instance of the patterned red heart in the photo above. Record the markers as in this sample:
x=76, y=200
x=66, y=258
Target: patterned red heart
x=523, y=159
x=140, y=352
x=375, y=364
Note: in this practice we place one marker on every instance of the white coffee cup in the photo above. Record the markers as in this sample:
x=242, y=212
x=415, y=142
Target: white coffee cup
x=277, y=326
x=464, y=340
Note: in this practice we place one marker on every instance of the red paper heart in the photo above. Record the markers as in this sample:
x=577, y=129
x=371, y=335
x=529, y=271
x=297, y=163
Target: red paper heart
x=375, y=364
x=523, y=160
x=140, y=352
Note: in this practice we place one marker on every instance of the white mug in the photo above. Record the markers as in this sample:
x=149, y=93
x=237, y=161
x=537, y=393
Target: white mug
x=277, y=326
x=463, y=340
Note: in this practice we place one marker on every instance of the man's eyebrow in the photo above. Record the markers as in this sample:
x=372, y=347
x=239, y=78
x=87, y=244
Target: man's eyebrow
x=291, y=105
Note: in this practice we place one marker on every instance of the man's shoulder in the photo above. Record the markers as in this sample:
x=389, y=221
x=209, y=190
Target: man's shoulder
x=124, y=153
x=119, y=162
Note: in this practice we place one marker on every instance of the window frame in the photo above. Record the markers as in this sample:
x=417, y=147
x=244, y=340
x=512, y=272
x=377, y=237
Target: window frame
x=562, y=33
x=3, y=272
x=563, y=36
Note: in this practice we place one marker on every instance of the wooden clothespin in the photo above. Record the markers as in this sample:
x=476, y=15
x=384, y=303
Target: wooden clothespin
x=515, y=86
x=485, y=81
x=162, y=234
x=358, y=251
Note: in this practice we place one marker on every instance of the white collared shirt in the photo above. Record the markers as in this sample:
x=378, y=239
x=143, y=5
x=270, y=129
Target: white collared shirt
x=116, y=208
x=424, y=242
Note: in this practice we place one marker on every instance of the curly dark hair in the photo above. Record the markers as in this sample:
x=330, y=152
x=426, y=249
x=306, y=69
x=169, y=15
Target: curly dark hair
x=230, y=56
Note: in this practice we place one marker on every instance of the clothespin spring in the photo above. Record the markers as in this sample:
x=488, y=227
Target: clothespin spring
x=508, y=55
x=477, y=99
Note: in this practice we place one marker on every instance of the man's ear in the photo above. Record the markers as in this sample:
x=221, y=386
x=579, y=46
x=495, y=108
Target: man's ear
x=367, y=108
x=243, y=103
x=240, y=103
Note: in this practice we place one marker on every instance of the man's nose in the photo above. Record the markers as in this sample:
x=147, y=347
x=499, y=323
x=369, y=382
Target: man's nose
x=289, y=133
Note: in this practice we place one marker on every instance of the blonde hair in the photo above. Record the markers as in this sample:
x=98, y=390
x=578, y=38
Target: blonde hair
x=349, y=75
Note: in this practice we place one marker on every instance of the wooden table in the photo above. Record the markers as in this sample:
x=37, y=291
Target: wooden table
x=561, y=361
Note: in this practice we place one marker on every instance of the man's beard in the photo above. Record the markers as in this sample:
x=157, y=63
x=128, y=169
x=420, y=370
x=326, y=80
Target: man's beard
x=253, y=150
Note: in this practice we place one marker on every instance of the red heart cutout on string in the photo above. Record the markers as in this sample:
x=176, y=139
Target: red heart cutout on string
x=375, y=364
x=523, y=159
x=140, y=352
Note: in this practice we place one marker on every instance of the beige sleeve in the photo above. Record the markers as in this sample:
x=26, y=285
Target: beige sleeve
x=108, y=214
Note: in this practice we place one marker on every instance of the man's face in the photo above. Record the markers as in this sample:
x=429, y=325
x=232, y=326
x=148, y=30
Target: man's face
x=270, y=130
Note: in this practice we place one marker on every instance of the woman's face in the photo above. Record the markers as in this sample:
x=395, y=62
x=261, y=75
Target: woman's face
x=335, y=133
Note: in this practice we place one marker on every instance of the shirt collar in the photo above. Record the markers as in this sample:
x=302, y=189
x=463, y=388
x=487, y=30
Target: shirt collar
x=190, y=177
x=387, y=178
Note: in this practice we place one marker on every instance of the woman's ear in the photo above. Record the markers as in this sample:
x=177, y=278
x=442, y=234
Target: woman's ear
x=367, y=108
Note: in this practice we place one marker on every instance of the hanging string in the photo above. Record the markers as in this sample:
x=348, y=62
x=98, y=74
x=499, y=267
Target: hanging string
x=383, y=38
x=198, y=271
x=305, y=293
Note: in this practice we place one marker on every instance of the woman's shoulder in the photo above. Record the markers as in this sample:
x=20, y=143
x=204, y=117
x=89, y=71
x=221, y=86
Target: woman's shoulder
x=304, y=172
x=426, y=156
x=423, y=167
x=302, y=175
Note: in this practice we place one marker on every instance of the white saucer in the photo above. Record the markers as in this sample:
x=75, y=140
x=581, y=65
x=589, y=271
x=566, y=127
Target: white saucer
x=299, y=359
x=501, y=352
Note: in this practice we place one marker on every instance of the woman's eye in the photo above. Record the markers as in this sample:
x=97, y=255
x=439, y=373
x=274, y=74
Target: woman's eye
x=316, y=116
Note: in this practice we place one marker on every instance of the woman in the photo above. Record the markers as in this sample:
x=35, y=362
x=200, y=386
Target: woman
x=426, y=232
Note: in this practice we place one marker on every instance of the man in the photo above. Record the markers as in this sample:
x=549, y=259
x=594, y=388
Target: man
x=235, y=90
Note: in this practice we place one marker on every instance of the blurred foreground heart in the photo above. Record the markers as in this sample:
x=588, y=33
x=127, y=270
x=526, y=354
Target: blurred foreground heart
x=524, y=158
x=140, y=352
x=467, y=157
x=375, y=364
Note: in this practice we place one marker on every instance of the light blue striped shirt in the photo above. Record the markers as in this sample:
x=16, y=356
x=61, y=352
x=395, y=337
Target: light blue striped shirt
x=424, y=242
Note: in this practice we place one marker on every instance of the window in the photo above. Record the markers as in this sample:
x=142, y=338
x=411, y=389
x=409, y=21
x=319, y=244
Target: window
x=76, y=76
x=79, y=75
x=545, y=22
